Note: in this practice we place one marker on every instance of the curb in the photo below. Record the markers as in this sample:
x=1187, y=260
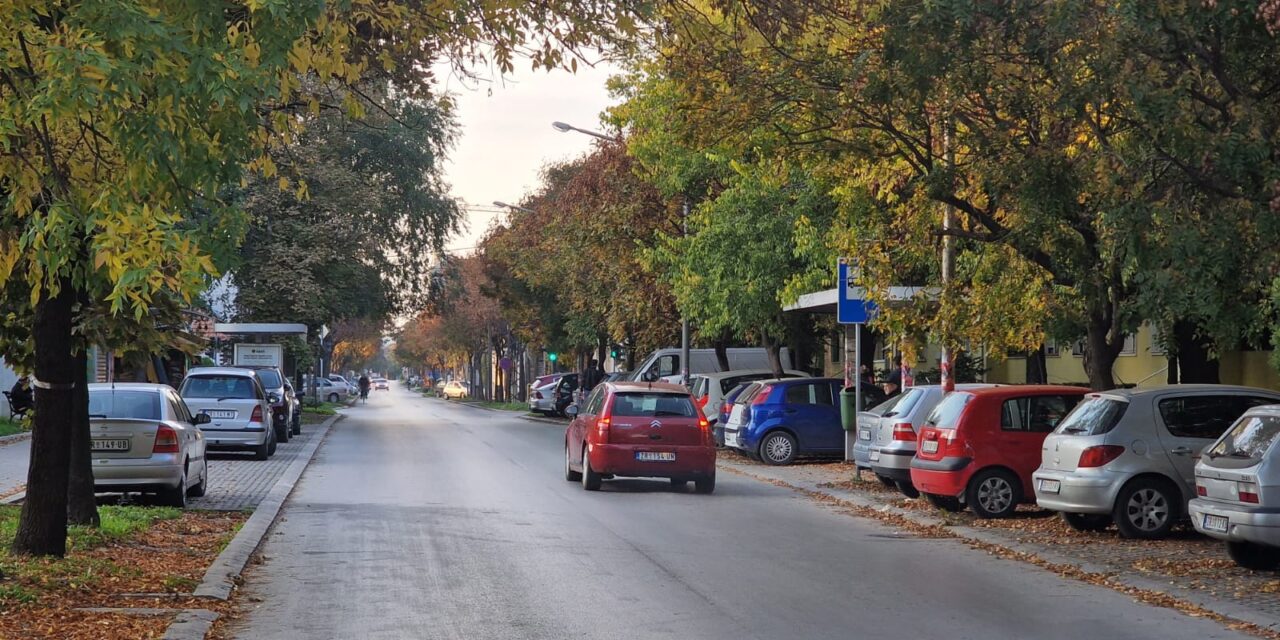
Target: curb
x=221, y=578
x=17, y=437
x=1234, y=611
x=525, y=416
x=190, y=624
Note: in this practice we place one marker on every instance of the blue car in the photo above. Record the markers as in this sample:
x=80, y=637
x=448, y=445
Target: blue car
x=778, y=420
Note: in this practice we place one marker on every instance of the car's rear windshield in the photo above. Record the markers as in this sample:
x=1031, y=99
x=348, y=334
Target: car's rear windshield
x=270, y=378
x=751, y=392
x=699, y=386
x=1248, y=439
x=1093, y=417
x=652, y=405
x=112, y=403
x=947, y=414
x=215, y=386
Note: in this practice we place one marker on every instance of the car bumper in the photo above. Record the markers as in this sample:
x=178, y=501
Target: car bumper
x=116, y=474
x=544, y=404
x=620, y=460
x=1077, y=492
x=234, y=439
x=945, y=477
x=892, y=458
x=739, y=439
x=1244, y=524
x=861, y=451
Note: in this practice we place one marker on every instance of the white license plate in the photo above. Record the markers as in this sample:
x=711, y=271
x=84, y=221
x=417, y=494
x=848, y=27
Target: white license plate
x=220, y=414
x=655, y=456
x=1215, y=523
x=864, y=434
x=929, y=446
x=875, y=455
x=110, y=445
x=1050, y=486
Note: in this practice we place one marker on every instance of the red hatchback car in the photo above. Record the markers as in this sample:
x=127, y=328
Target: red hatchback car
x=980, y=446
x=639, y=430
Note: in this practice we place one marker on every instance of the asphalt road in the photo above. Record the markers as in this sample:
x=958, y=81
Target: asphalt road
x=423, y=519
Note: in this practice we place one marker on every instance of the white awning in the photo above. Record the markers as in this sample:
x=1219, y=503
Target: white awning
x=825, y=301
x=243, y=328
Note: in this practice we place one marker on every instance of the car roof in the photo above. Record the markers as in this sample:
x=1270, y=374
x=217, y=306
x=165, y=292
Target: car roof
x=1265, y=410
x=255, y=367
x=1135, y=392
x=128, y=386
x=716, y=375
x=663, y=387
x=221, y=371
x=1015, y=390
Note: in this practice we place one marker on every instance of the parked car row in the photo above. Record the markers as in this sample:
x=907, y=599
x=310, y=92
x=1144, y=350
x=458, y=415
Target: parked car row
x=149, y=438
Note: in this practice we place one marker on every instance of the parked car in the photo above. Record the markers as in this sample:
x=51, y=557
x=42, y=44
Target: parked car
x=542, y=394
x=639, y=430
x=709, y=388
x=726, y=409
x=893, y=432
x=979, y=446
x=455, y=390
x=331, y=391
x=381, y=384
x=1128, y=456
x=1238, y=484
x=351, y=386
x=281, y=398
x=237, y=408
x=145, y=439
x=439, y=387
x=663, y=365
x=780, y=419
x=865, y=426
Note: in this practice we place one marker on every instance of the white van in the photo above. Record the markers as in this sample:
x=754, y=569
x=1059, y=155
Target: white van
x=664, y=364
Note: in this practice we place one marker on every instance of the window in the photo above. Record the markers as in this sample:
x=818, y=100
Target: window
x=1249, y=439
x=947, y=413
x=1201, y=416
x=594, y=402
x=1035, y=414
x=1051, y=348
x=108, y=403
x=1157, y=338
x=798, y=394
x=229, y=387
x=668, y=366
x=1130, y=346
x=700, y=386
x=822, y=394
x=1077, y=348
x=652, y=405
x=271, y=378
x=1094, y=417
x=178, y=407
x=836, y=351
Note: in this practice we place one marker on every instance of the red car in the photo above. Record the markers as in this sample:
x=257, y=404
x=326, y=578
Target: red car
x=980, y=446
x=639, y=429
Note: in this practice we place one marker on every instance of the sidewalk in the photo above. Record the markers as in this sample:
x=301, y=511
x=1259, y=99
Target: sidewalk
x=14, y=457
x=1187, y=572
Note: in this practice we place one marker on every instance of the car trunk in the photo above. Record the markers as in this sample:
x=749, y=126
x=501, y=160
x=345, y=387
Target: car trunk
x=122, y=438
x=645, y=418
x=225, y=413
x=868, y=424
x=1086, y=426
x=938, y=436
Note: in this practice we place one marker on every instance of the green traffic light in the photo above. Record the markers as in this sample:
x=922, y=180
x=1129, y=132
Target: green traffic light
x=551, y=356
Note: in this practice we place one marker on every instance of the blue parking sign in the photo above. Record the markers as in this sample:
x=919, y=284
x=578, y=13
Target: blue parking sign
x=851, y=309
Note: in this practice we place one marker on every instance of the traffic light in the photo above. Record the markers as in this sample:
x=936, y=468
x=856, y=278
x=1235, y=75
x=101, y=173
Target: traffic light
x=614, y=351
x=551, y=356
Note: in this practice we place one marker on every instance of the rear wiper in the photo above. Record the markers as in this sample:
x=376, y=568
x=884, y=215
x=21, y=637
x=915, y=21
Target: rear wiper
x=227, y=398
x=666, y=413
x=1074, y=430
x=97, y=415
x=890, y=414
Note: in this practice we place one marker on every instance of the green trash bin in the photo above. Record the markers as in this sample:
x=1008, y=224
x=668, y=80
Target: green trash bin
x=849, y=408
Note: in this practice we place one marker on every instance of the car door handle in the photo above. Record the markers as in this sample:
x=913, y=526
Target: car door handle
x=1181, y=451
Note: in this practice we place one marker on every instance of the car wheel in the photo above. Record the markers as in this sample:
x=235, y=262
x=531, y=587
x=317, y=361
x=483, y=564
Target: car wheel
x=1254, y=556
x=263, y=451
x=176, y=496
x=297, y=424
x=909, y=490
x=590, y=479
x=946, y=503
x=994, y=493
x=705, y=485
x=282, y=433
x=1146, y=509
x=569, y=473
x=201, y=487
x=679, y=484
x=271, y=451
x=1087, y=521
x=886, y=480
x=333, y=397
x=778, y=448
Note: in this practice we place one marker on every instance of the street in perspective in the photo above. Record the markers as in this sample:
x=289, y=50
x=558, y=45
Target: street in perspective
x=634, y=319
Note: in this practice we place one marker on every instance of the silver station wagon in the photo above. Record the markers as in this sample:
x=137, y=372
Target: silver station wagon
x=144, y=439
x=237, y=406
x=1128, y=456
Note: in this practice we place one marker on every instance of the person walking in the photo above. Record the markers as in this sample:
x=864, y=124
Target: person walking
x=364, y=387
x=21, y=397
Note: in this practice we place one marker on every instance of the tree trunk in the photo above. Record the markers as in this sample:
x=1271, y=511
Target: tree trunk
x=1100, y=354
x=1037, y=372
x=773, y=347
x=631, y=355
x=82, y=505
x=1195, y=364
x=42, y=528
x=1171, y=370
x=722, y=352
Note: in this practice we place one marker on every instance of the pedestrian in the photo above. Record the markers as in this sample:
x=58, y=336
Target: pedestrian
x=21, y=397
x=893, y=384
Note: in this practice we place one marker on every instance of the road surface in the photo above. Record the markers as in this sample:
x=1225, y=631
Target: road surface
x=425, y=519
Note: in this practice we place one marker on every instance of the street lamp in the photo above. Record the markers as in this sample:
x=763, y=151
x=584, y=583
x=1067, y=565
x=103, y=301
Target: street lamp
x=503, y=205
x=566, y=128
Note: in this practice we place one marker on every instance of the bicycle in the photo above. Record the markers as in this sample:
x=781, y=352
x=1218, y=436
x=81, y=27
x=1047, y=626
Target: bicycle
x=364, y=396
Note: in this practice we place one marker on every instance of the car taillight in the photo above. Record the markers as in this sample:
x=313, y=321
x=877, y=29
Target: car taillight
x=602, y=428
x=166, y=440
x=762, y=396
x=257, y=414
x=701, y=401
x=705, y=428
x=1248, y=492
x=1099, y=455
x=537, y=395
x=904, y=432
x=1201, y=491
x=726, y=409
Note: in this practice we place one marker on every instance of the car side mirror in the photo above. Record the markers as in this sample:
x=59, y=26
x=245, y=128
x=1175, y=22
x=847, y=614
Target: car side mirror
x=200, y=418
x=571, y=411
x=273, y=398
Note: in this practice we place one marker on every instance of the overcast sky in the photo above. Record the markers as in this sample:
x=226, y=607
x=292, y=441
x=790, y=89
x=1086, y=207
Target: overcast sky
x=506, y=135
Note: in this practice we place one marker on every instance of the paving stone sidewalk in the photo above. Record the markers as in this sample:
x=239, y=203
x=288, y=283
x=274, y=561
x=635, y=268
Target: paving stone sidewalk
x=1187, y=566
x=238, y=482
x=14, y=457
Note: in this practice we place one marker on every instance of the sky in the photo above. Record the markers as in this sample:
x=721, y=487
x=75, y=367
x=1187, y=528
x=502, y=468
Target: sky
x=505, y=135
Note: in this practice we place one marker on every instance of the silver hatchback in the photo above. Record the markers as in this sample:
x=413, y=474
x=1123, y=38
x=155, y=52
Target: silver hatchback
x=893, y=435
x=1128, y=456
x=1238, y=484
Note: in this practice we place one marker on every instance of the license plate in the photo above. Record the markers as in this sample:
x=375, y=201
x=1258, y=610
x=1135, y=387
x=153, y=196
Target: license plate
x=875, y=455
x=219, y=414
x=655, y=456
x=1215, y=523
x=864, y=434
x=1050, y=486
x=110, y=445
x=929, y=446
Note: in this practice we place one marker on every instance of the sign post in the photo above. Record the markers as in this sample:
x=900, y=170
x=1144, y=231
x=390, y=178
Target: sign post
x=853, y=311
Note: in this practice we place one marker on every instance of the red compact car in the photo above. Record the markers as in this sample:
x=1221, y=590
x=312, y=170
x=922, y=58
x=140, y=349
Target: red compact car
x=980, y=446
x=639, y=429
